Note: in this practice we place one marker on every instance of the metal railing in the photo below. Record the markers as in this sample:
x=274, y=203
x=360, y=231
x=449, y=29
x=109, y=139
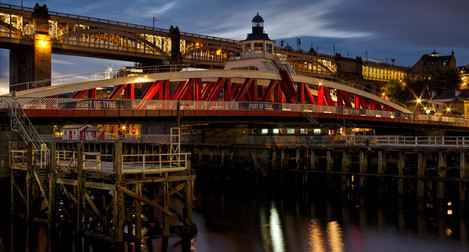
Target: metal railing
x=120, y=24
x=155, y=163
x=359, y=141
x=105, y=104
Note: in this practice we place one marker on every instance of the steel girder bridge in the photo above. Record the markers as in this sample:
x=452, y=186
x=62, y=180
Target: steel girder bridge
x=95, y=37
x=219, y=93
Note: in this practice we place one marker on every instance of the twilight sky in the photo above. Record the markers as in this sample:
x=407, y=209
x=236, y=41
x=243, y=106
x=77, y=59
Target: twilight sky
x=400, y=29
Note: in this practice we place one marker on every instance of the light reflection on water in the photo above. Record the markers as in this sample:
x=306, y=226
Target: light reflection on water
x=276, y=230
x=253, y=220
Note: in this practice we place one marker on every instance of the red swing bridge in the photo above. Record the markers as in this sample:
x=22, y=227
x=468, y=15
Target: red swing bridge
x=218, y=93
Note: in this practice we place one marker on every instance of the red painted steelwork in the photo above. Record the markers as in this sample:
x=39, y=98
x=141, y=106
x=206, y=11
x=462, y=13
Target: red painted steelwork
x=117, y=91
x=248, y=91
x=159, y=89
x=80, y=94
x=92, y=93
x=129, y=92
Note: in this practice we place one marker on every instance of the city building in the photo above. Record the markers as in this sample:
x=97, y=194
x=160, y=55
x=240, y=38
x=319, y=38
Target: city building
x=432, y=63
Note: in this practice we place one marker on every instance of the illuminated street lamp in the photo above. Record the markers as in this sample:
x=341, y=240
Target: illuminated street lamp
x=418, y=103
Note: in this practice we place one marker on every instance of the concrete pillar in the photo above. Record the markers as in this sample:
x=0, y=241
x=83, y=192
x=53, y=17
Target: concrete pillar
x=21, y=66
x=421, y=165
x=441, y=174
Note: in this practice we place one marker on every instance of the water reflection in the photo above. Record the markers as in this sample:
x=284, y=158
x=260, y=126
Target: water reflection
x=276, y=230
x=325, y=236
x=271, y=220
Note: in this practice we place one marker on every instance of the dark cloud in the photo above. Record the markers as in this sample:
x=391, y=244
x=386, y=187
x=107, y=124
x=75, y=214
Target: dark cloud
x=399, y=29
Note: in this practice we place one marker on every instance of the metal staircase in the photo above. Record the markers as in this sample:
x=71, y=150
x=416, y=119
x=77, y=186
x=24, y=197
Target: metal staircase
x=20, y=122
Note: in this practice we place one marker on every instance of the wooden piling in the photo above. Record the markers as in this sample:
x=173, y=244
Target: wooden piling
x=80, y=184
x=463, y=173
x=52, y=180
x=313, y=159
x=363, y=167
x=330, y=160
x=441, y=174
x=29, y=175
x=421, y=166
x=381, y=161
x=400, y=167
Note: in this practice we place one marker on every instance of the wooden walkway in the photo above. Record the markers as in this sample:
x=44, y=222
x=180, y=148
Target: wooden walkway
x=111, y=196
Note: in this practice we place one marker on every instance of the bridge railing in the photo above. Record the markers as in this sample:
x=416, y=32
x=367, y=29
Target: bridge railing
x=112, y=22
x=104, y=104
x=357, y=141
x=67, y=79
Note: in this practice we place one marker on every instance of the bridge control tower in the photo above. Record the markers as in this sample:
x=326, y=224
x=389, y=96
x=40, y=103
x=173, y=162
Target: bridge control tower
x=258, y=51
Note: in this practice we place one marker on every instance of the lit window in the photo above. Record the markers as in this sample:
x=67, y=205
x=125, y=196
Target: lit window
x=275, y=131
x=317, y=131
x=302, y=131
x=265, y=131
x=290, y=131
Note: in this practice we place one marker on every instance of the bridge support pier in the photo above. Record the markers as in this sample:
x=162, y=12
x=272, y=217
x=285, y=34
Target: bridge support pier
x=33, y=63
x=21, y=67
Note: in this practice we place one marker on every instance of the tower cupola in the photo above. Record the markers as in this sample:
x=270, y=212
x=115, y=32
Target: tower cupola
x=257, y=24
x=257, y=44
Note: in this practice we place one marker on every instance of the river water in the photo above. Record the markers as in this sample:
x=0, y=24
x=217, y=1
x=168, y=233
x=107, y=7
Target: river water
x=241, y=218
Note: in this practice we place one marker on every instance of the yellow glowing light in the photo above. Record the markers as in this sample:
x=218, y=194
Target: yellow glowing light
x=43, y=43
x=448, y=232
x=123, y=127
x=450, y=204
x=418, y=100
x=448, y=109
x=320, y=83
x=219, y=52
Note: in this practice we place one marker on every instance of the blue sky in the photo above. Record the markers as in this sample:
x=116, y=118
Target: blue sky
x=400, y=29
